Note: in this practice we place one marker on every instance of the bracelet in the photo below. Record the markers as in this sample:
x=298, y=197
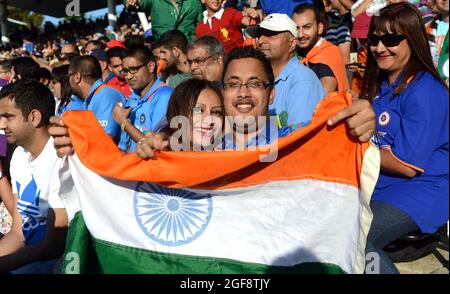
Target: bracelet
x=122, y=125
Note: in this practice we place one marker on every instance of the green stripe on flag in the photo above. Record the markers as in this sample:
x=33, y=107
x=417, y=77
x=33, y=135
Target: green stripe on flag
x=114, y=258
x=79, y=256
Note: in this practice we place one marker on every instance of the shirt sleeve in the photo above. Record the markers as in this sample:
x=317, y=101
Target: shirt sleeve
x=160, y=106
x=321, y=70
x=304, y=99
x=237, y=19
x=424, y=125
x=54, y=201
x=13, y=171
x=103, y=107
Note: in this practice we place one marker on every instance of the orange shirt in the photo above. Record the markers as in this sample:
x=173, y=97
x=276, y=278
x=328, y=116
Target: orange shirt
x=357, y=80
x=326, y=53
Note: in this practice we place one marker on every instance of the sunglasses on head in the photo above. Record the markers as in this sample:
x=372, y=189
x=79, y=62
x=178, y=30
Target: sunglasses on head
x=388, y=40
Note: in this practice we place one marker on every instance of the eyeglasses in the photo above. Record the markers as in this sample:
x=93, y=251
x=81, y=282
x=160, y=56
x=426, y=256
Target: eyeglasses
x=199, y=61
x=132, y=69
x=388, y=40
x=251, y=85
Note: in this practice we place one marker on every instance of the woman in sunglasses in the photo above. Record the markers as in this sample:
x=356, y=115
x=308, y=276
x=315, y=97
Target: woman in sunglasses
x=411, y=104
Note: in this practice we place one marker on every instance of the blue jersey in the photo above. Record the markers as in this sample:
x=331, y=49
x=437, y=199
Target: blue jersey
x=269, y=134
x=414, y=126
x=147, y=112
x=297, y=93
x=282, y=6
x=101, y=101
x=75, y=103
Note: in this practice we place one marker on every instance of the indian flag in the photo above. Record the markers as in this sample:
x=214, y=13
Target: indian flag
x=220, y=211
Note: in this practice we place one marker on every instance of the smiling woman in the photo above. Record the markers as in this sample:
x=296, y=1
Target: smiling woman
x=411, y=103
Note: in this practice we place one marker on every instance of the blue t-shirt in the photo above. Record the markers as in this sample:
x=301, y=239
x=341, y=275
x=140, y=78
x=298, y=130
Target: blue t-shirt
x=270, y=133
x=101, y=101
x=297, y=93
x=75, y=103
x=147, y=113
x=414, y=125
x=282, y=6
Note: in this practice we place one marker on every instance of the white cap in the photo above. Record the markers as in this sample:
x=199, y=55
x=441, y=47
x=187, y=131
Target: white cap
x=275, y=22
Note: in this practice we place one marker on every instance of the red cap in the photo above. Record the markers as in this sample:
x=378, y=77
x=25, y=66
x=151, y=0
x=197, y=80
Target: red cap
x=361, y=26
x=115, y=43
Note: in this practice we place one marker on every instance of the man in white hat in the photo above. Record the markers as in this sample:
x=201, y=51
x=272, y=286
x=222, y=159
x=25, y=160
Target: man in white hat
x=297, y=88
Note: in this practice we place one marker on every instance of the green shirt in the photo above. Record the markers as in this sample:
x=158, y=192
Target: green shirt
x=166, y=16
x=177, y=79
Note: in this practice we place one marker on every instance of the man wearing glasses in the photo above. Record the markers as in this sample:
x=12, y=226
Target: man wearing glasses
x=205, y=57
x=147, y=105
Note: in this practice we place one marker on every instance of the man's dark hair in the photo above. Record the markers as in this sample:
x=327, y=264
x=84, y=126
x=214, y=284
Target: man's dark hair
x=88, y=66
x=116, y=52
x=29, y=95
x=155, y=44
x=45, y=74
x=250, y=52
x=133, y=40
x=142, y=53
x=174, y=38
x=319, y=12
x=26, y=68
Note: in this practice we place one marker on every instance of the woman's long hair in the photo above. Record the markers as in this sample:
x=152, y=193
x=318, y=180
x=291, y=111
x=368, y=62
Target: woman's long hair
x=184, y=98
x=399, y=18
x=59, y=75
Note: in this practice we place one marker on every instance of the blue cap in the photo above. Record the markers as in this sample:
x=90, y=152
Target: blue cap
x=109, y=28
x=99, y=54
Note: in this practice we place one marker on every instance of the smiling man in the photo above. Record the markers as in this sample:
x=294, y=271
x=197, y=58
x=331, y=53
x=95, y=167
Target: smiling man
x=324, y=58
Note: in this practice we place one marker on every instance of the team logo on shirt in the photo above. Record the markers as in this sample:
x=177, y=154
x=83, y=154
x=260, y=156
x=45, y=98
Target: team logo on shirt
x=103, y=123
x=28, y=205
x=142, y=118
x=171, y=217
x=384, y=118
x=225, y=34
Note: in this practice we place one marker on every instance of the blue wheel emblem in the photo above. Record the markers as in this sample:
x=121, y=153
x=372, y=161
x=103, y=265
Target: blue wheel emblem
x=142, y=118
x=171, y=217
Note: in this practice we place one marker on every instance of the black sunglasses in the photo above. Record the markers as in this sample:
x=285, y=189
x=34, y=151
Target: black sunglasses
x=388, y=40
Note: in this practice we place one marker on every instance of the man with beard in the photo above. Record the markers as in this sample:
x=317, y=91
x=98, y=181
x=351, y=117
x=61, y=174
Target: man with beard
x=172, y=51
x=321, y=56
x=85, y=80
